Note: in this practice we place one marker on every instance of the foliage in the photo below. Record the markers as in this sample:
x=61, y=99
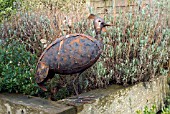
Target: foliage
x=152, y=110
x=136, y=47
x=7, y=7
x=166, y=110
x=17, y=68
x=28, y=29
x=35, y=31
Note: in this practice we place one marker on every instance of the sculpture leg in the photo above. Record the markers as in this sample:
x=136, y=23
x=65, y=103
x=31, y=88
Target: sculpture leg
x=81, y=99
x=74, y=86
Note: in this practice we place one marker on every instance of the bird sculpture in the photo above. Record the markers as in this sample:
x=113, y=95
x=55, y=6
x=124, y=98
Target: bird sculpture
x=70, y=54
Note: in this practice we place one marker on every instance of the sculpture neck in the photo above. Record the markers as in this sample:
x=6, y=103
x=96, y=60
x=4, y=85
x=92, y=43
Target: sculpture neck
x=99, y=40
x=98, y=36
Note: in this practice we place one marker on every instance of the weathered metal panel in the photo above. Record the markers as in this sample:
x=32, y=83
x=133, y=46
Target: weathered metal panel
x=69, y=54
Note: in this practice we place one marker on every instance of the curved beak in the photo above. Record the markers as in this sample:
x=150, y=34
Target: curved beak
x=105, y=24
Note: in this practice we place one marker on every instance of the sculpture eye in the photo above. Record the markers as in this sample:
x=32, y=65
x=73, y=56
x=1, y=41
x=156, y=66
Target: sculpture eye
x=99, y=21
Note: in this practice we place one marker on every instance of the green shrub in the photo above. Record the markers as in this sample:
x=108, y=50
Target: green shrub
x=7, y=7
x=152, y=110
x=136, y=47
x=17, y=68
x=146, y=110
x=166, y=110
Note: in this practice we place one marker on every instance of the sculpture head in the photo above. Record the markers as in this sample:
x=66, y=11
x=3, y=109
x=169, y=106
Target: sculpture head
x=99, y=23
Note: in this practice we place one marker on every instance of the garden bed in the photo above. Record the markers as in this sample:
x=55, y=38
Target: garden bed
x=136, y=50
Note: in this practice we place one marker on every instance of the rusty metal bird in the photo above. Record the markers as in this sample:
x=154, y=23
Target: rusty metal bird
x=70, y=54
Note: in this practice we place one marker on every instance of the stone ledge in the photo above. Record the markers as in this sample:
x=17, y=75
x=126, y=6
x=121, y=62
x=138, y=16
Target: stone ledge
x=113, y=100
x=125, y=100
x=21, y=104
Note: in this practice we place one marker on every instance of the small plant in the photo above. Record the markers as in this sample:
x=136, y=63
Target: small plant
x=166, y=110
x=7, y=8
x=17, y=68
x=152, y=110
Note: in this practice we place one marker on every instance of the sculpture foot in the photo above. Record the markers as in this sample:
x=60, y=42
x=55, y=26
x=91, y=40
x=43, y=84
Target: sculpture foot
x=84, y=99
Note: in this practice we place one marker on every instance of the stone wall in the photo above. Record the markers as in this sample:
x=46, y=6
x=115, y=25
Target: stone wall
x=21, y=104
x=107, y=6
x=113, y=100
x=130, y=99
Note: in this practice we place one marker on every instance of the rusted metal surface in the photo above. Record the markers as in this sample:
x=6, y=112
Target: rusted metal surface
x=69, y=54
